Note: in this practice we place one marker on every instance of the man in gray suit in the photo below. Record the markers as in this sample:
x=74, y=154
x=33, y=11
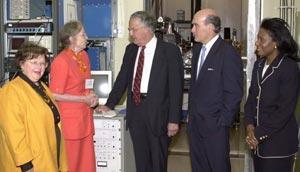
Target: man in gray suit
x=154, y=93
x=214, y=96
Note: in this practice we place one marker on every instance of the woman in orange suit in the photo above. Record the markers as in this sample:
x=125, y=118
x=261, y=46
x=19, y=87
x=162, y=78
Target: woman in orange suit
x=69, y=81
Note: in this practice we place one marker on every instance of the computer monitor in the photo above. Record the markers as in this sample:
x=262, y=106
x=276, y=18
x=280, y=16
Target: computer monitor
x=102, y=84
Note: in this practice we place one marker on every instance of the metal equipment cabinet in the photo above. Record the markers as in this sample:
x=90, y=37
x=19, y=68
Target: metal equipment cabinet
x=27, y=20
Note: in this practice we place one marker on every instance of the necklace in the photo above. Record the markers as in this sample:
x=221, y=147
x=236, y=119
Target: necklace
x=78, y=58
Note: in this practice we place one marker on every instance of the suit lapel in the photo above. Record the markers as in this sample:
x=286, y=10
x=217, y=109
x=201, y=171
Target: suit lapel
x=209, y=58
x=271, y=69
x=260, y=70
x=195, y=58
x=132, y=59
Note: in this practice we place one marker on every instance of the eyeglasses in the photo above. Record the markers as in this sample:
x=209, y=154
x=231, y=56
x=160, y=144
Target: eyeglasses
x=135, y=29
x=37, y=64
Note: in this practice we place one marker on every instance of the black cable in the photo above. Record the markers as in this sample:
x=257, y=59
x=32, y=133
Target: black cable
x=44, y=25
x=40, y=39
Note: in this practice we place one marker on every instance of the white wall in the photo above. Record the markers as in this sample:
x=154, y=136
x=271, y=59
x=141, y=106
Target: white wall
x=170, y=7
x=70, y=10
x=125, y=9
x=233, y=15
x=270, y=8
x=297, y=35
x=243, y=39
x=230, y=14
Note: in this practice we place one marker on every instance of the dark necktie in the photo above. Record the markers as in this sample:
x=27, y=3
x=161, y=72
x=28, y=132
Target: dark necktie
x=138, y=78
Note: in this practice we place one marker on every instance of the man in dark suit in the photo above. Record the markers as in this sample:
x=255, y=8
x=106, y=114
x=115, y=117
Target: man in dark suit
x=153, y=103
x=214, y=96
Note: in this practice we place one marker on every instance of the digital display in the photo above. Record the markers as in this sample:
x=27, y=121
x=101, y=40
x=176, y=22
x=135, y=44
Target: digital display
x=102, y=84
x=101, y=87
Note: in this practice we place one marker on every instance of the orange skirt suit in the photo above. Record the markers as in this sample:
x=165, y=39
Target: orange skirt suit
x=68, y=76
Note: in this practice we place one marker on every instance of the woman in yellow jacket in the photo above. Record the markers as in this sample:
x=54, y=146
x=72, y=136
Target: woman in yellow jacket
x=30, y=138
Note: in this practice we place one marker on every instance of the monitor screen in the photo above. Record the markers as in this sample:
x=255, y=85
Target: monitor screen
x=102, y=84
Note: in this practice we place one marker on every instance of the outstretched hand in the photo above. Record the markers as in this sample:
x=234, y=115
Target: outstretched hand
x=102, y=108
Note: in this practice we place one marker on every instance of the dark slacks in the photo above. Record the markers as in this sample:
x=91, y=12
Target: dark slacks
x=150, y=151
x=210, y=154
x=273, y=164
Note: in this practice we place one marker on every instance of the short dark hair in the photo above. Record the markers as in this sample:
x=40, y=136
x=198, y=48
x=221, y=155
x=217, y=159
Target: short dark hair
x=30, y=50
x=279, y=31
x=69, y=29
x=145, y=18
x=214, y=20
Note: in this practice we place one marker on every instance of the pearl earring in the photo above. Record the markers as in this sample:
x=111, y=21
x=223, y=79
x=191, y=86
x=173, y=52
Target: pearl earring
x=275, y=47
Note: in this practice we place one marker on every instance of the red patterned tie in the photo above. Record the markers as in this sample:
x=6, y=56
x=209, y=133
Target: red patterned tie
x=138, y=78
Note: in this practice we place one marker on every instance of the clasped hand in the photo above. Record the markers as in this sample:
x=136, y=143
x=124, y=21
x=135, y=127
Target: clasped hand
x=250, y=138
x=91, y=99
x=172, y=129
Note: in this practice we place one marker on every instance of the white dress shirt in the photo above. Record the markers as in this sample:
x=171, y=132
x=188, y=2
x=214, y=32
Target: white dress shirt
x=148, y=59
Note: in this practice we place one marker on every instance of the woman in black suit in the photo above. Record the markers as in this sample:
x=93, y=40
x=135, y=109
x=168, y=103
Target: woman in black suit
x=272, y=130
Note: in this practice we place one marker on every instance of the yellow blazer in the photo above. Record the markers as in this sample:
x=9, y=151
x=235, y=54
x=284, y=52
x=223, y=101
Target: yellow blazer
x=27, y=130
